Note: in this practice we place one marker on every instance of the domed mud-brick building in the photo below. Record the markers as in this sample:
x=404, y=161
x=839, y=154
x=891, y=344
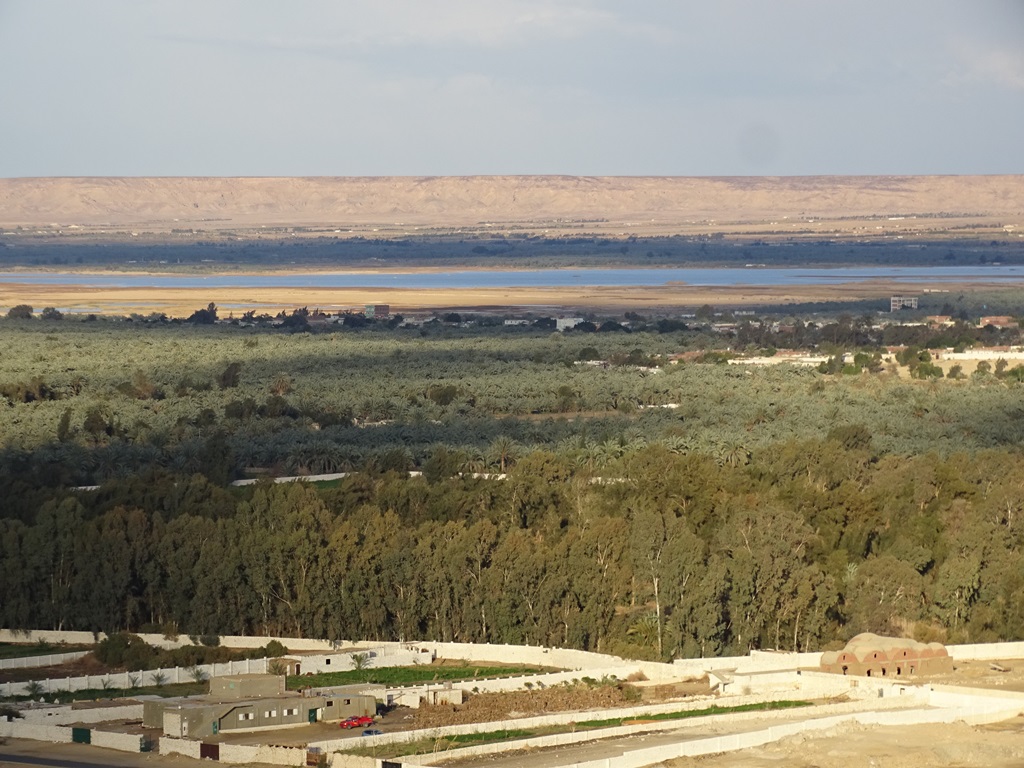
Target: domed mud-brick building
x=872, y=655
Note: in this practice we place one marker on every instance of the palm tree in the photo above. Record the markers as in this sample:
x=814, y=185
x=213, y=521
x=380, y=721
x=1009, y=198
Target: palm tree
x=503, y=451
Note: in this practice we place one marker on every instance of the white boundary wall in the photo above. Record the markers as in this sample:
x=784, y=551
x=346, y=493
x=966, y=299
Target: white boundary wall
x=18, y=729
x=342, y=662
x=986, y=651
x=123, y=742
x=171, y=746
x=245, y=754
x=47, y=660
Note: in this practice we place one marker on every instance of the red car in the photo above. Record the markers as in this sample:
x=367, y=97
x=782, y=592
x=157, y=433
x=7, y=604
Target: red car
x=359, y=721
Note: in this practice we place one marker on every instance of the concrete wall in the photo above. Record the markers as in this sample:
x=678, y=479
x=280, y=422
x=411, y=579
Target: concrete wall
x=986, y=651
x=169, y=746
x=757, y=661
x=19, y=729
x=159, y=641
x=342, y=662
x=123, y=742
x=46, y=636
x=48, y=660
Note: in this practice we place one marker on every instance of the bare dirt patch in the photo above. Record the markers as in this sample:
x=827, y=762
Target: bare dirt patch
x=486, y=707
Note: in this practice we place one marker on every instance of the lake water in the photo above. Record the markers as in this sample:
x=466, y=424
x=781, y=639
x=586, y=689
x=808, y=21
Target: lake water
x=535, y=278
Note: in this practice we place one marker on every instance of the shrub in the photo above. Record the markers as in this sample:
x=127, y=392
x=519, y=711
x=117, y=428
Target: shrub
x=126, y=650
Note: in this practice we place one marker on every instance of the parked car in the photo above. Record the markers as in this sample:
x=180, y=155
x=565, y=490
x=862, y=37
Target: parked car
x=356, y=721
x=372, y=732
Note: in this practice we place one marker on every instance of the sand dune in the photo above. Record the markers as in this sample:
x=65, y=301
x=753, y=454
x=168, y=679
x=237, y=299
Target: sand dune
x=223, y=203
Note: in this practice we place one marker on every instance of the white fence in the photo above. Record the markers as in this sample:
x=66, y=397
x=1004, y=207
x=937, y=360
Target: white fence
x=46, y=660
x=126, y=681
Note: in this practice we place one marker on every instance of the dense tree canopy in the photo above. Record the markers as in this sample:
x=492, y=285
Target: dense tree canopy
x=630, y=506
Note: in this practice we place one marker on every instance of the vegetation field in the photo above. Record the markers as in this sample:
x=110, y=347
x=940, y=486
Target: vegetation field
x=615, y=488
x=394, y=676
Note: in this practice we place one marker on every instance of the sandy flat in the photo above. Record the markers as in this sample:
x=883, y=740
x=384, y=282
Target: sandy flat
x=183, y=301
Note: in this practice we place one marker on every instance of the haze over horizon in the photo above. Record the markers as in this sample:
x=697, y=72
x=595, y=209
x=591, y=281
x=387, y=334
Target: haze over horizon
x=468, y=87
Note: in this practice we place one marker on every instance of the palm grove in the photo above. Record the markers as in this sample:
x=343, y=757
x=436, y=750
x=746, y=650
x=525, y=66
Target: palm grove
x=632, y=507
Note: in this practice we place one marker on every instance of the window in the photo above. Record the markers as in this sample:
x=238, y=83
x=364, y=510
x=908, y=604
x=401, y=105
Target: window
x=292, y=711
x=270, y=713
x=330, y=702
x=328, y=662
x=246, y=716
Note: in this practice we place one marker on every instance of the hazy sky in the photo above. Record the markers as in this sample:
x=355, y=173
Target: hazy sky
x=437, y=87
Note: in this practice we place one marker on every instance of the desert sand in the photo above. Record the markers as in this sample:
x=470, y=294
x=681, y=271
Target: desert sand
x=546, y=204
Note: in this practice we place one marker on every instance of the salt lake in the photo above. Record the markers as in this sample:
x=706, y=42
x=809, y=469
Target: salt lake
x=533, y=278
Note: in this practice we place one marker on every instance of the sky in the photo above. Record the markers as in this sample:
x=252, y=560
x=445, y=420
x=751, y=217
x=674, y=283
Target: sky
x=459, y=87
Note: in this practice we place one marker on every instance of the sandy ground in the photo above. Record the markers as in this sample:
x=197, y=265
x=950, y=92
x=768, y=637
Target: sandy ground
x=619, y=206
x=178, y=302
x=19, y=752
x=854, y=746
